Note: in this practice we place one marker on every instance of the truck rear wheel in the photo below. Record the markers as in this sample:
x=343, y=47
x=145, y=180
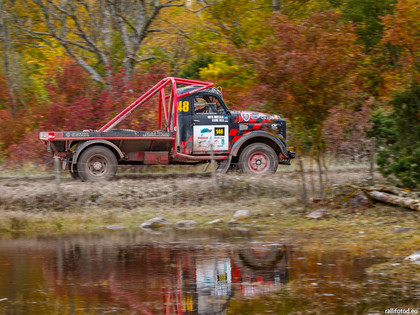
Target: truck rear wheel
x=75, y=173
x=97, y=163
x=258, y=158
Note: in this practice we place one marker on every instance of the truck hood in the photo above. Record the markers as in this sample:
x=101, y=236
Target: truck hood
x=255, y=117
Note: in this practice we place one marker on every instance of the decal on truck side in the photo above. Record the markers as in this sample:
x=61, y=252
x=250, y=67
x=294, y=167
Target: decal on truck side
x=207, y=136
x=183, y=106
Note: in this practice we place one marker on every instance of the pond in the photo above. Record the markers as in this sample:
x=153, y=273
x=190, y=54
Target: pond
x=189, y=272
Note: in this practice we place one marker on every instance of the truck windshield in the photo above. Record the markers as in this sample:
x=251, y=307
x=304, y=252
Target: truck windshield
x=207, y=104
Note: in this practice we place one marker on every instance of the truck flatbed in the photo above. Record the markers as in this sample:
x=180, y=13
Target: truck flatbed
x=113, y=134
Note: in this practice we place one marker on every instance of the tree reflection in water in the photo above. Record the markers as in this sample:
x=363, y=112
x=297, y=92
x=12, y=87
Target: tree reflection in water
x=185, y=272
x=151, y=277
x=170, y=279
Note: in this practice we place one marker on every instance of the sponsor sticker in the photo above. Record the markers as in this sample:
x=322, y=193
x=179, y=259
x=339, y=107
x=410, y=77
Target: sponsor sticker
x=245, y=116
x=208, y=137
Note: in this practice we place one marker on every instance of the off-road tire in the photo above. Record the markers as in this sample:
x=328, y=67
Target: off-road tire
x=75, y=174
x=97, y=163
x=258, y=159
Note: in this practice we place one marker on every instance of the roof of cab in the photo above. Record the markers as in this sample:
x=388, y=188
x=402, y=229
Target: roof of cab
x=189, y=88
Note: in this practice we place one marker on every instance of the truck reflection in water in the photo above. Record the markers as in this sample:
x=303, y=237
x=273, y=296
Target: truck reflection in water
x=175, y=279
x=189, y=272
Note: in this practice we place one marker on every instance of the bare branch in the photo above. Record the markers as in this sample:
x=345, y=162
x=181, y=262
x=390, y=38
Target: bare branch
x=102, y=56
x=41, y=36
x=180, y=32
x=198, y=10
x=88, y=26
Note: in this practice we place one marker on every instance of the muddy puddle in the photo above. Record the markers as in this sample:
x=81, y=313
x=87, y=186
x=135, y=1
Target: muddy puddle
x=190, y=272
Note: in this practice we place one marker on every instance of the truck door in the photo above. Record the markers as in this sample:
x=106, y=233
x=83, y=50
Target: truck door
x=184, y=139
x=210, y=119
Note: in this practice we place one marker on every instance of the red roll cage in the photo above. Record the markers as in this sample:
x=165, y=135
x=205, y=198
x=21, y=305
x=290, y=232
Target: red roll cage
x=169, y=108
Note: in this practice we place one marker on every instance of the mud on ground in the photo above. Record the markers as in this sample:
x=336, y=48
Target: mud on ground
x=130, y=191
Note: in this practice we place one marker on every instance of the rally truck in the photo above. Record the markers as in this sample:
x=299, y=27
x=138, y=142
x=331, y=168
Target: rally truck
x=194, y=125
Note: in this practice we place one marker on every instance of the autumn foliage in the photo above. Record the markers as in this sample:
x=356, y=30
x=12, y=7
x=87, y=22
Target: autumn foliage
x=306, y=68
x=75, y=102
x=327, y=66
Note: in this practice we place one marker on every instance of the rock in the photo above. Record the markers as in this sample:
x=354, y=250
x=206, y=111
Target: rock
x=232, y=222
x=186, y=224
x=155, y=223
x=401, y=230
x=240, y=214
x=358, y=201
x=414, y=258
x=318, y=214
x=215, y=221
x=116, y=227
x=316, y=200
x=241, y=229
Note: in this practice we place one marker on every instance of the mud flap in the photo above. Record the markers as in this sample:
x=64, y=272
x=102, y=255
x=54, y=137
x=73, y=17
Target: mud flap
x=224, y=166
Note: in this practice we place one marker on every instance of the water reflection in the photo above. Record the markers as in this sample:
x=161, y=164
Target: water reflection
x=181, y=272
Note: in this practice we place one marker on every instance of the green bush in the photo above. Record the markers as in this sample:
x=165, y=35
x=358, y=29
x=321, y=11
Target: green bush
x=398, y=138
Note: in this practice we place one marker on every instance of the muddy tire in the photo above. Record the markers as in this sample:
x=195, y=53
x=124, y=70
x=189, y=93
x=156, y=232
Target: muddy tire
x=75, y=174
x=97, y=163
x=259, y=159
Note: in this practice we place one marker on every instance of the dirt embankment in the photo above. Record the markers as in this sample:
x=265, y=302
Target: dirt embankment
x=131, y=191
x=37, y=194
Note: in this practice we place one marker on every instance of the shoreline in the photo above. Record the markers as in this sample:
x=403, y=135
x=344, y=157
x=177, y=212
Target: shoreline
x=127, y=203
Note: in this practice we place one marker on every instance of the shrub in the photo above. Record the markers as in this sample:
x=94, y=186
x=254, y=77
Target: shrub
x=399, y=138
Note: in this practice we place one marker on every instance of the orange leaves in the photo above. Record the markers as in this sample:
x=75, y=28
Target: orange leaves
x=308, y=66
x=402, y=29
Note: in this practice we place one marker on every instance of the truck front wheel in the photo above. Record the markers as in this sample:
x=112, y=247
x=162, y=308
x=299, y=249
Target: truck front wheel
x=97, y=163
x=258, y=158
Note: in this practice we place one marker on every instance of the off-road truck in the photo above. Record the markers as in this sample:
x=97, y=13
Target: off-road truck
x=194, y=126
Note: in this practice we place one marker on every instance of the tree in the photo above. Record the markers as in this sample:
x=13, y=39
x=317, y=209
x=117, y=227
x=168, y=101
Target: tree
x=306, y=68
x=402, y=29
x=367, y=17
x=98, y=35
x=230, y=27
x=9, y=65
x=226, y=27
x=399, y=138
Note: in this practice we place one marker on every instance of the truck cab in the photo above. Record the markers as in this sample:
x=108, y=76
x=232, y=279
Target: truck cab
x=194, y=126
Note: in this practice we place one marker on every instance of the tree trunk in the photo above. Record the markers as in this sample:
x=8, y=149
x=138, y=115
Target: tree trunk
x=11, y=82
x=413, y=204
x=276, y=6
x=321, y=178
x=302, y=181
x=372, y=161
x=311, y=174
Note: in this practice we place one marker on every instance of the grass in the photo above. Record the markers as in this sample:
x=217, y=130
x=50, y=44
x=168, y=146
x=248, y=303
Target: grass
x=30, y=206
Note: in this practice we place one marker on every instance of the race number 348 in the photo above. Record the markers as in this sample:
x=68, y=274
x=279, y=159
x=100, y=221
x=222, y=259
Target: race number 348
x=183, y=106
x=219, y=131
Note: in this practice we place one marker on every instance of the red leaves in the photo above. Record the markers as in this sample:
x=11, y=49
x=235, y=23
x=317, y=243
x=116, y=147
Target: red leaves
x=306, y=67
x=77, y=103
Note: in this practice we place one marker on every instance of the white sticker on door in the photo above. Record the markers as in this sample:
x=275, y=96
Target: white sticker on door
x=207, y=135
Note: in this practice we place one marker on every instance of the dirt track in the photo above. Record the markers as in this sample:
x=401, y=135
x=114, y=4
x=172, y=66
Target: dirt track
x=129, y=191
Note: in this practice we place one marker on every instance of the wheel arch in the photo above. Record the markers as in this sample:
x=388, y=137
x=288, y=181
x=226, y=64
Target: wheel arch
x=83, y=146
x=261, y=137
